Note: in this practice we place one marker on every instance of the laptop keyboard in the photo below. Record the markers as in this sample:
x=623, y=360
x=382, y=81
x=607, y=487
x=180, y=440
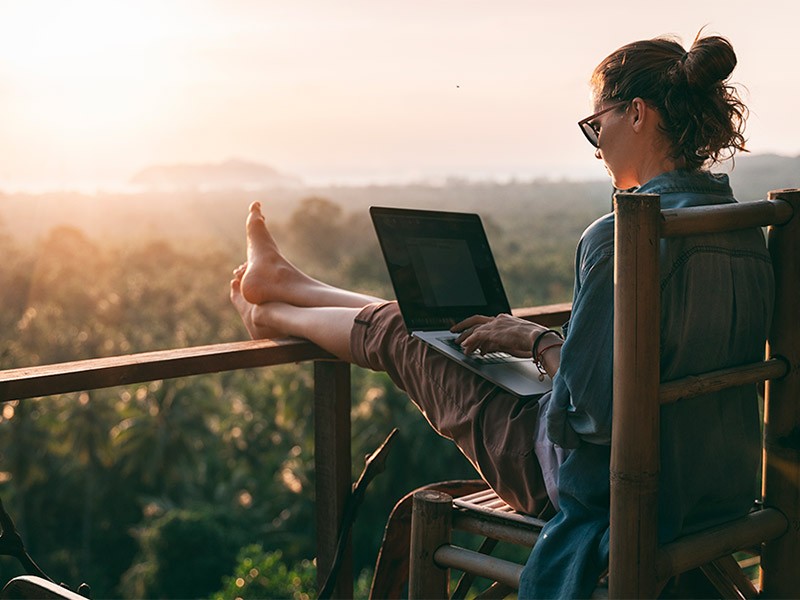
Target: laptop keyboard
x=488, y=358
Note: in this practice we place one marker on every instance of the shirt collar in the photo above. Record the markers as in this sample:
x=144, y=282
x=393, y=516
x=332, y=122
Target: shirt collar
x=683, y=180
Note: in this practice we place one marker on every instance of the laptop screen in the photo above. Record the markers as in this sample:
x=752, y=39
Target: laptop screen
x=440, y=265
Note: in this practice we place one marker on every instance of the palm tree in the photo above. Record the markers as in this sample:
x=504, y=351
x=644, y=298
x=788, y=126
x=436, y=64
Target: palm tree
x=26, y=460
x=161, y=444
x=85, y=423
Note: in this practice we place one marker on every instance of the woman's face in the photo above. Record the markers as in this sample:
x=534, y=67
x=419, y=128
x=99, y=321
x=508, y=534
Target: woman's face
x=615, y=146
x=630, y=142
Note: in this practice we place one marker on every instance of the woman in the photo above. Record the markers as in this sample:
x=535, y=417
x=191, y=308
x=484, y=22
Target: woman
x=661, y=114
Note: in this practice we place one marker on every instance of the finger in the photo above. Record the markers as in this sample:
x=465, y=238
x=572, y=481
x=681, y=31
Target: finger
x=480, y=340
x=472, y=321
x=470, y=332
x=465, y=335
x=471, y=344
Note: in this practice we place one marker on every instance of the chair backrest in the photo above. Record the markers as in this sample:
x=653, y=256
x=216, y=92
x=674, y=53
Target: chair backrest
x=637, y=562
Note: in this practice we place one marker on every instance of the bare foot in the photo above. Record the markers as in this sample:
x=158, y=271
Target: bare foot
x=268, y=276
x=247, y=311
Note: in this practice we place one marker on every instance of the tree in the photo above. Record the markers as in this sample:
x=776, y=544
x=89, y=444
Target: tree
x=163, y=442
x=317, y=238
x=183, y=554
x=85, y=433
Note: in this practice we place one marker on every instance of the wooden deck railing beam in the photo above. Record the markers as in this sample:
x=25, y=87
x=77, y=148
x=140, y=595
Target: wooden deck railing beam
x=549, y=315
x=97, y=373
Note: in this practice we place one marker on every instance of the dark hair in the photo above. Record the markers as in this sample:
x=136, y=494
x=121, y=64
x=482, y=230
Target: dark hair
x=702, y=115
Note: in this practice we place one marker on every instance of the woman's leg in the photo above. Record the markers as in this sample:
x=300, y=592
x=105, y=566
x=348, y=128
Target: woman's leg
x=494, y=429
x=329, y=327
x=270, y=277
x=276, y=299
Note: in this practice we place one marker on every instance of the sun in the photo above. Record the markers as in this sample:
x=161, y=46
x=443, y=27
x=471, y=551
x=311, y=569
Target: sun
x=76, y=71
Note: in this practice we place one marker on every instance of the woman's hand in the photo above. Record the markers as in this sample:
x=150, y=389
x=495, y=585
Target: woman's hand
x=503, y=333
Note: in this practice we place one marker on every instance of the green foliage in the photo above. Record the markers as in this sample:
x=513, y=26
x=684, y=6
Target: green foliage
x=261, y=574
x=184, y=554
x=149, y=490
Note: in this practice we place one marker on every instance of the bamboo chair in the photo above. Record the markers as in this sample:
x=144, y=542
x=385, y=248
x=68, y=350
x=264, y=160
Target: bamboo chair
x=639, y=566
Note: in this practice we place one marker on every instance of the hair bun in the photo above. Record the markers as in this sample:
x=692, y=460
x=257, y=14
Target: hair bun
x=710, y=61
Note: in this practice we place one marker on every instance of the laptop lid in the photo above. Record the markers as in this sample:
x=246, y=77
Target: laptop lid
x=440, y=265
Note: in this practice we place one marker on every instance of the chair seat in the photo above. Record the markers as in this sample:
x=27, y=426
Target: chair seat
x=483, y=513
x=486, y=502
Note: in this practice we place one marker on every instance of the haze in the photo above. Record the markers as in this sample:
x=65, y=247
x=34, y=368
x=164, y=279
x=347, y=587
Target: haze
x=91, y=91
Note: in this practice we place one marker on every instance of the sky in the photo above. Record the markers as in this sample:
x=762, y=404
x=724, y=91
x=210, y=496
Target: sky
x=347, y=91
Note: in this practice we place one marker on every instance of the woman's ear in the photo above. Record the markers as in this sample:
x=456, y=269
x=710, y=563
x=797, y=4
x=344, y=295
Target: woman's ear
x=639, y=114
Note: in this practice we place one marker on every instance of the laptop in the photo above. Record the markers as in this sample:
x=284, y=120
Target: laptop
x=443, y=271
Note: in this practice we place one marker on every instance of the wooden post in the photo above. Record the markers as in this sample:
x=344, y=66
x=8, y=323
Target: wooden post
x=781, y=482
x=431, y=522
x=332, y=468
x=635, y=428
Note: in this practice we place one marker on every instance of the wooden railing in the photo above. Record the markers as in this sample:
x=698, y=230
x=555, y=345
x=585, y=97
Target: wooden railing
x=332, y=402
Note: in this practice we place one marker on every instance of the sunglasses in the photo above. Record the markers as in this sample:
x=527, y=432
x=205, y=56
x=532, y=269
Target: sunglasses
x=592, y=130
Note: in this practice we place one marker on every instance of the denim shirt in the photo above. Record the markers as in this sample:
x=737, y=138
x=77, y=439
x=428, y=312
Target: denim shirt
x=716, y=300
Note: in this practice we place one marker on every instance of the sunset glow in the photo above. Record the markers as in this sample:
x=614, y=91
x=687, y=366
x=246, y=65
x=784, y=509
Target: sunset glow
x=93, y=90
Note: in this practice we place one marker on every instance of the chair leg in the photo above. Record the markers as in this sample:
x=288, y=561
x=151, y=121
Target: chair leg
x=431, y=523
x=691, y=584
x=391, y=569
x=721, y=583
x=496, y=591
x=725, y=574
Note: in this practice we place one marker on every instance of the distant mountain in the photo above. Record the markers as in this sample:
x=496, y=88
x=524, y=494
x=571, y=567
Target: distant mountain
x=753, y=175
x=233, y=173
